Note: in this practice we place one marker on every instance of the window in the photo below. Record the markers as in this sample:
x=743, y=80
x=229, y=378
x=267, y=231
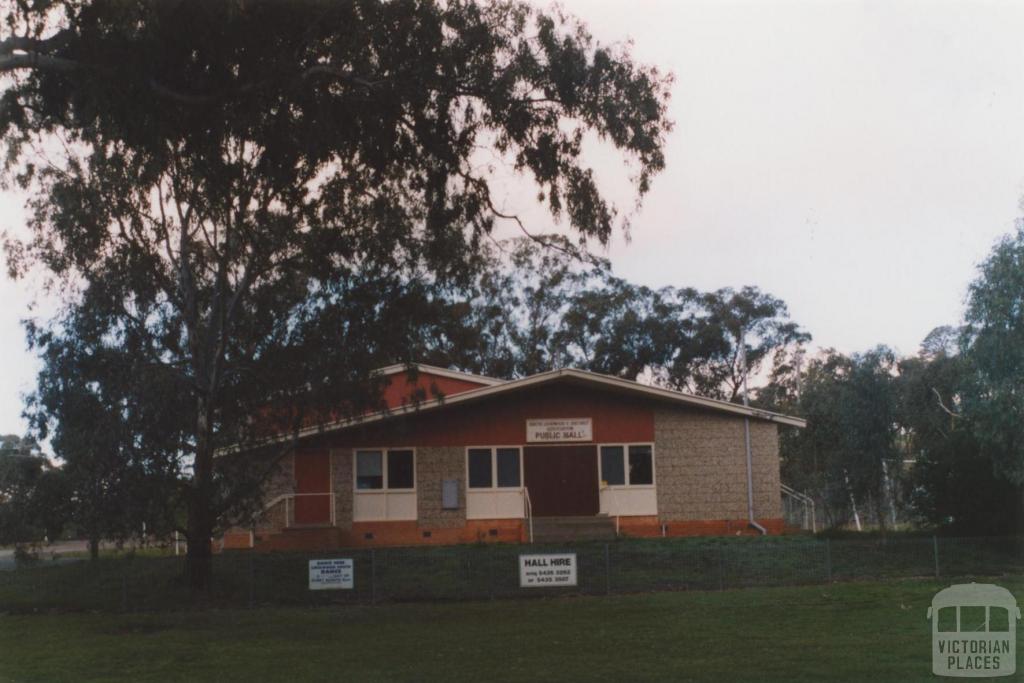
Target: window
x=400, y=470
x=369, y=473
x=378, y=470
x=612, y=471
x=494, y=468
x=508, y=467
x=627, y=465
x=480, y=468
x=641, y=466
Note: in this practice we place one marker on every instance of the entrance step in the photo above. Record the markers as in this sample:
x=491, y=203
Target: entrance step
x=565, y=529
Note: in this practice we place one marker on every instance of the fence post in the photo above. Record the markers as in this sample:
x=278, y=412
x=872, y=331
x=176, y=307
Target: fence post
x=490, y=557
x=252, y=580
x=828, y=560
x=721, y=567
x=935, y=548
x=373, y=577
x=607, y=571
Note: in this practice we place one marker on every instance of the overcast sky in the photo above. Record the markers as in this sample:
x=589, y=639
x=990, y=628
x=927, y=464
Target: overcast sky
x=856, y=159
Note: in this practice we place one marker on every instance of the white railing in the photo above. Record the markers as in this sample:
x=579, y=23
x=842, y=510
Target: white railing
x=529, y=511
x=808, y=507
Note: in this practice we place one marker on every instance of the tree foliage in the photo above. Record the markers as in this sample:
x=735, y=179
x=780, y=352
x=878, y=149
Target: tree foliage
x=850, y=450
x=31, y=493
x=910, y=413
x=993, y=337
x=118, y=456
x=541, y=304
x=249, y=202
x=953, y=483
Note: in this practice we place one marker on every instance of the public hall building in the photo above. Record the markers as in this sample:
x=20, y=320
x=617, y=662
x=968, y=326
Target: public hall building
x=555, y=456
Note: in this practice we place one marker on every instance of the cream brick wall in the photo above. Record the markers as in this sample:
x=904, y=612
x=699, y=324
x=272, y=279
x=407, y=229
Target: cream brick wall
x=433, y=465
x=341, y=475
x=701, y=466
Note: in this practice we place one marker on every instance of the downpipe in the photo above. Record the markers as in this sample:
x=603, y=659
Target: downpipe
x=750, y=481
x=742, y=340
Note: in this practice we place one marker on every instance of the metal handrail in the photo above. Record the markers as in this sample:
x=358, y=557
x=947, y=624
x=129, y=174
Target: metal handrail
x=806, y=500
x=289, y=505
x=529, y=511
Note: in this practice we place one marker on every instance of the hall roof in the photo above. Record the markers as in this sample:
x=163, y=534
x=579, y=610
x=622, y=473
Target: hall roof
x=492, y=387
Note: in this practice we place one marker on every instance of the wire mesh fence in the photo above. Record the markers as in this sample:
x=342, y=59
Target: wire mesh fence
x=482, y=572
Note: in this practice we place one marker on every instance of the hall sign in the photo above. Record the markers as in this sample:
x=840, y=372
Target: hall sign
x=331, y=574
x=563, y=429
x=547, y=571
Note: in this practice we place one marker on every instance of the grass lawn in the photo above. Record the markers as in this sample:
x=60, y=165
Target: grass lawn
x=839, y=632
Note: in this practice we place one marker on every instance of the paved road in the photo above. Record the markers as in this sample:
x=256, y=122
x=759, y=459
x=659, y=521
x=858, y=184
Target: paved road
x=46, y=551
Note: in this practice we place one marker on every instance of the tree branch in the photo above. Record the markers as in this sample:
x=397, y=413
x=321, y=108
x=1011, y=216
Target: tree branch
x=942, y=405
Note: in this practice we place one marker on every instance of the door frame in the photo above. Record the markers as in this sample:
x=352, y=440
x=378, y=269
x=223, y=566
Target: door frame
x=596, y=471
x=296, y=494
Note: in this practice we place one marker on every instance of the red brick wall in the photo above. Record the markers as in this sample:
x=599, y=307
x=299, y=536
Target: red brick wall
x=410, y=533
x=649, y=527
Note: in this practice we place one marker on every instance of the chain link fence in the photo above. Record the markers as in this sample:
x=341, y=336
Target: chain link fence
x=481, y=572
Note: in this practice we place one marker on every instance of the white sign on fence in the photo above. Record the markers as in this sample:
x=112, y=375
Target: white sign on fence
x=547, y=571
x=331, y=574
x=567, y=429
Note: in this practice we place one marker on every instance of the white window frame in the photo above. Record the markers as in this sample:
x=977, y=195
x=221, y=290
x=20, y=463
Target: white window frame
x=494, y=469
x=625, y=465
x=384, y=450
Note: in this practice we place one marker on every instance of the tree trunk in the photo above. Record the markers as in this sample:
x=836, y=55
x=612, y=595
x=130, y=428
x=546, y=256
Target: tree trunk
x=200, y=516
x=94, y=546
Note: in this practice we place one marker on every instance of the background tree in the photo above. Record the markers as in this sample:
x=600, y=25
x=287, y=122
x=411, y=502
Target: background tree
x=32, y=493
x=510, y=321
x=255, y=198
x=708, y=329
x=619, y=328
x=870, y=454
x=952, y=483
x=993, y=336
x=806, y=454
x=118, y=457
x=849, y=456
x=542, y=303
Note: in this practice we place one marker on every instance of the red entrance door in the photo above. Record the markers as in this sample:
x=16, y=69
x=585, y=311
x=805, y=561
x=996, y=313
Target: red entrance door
x=313, y=475
x=562, y=480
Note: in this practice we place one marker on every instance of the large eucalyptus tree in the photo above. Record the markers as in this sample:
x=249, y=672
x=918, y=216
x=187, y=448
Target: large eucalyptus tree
x=252, y=199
